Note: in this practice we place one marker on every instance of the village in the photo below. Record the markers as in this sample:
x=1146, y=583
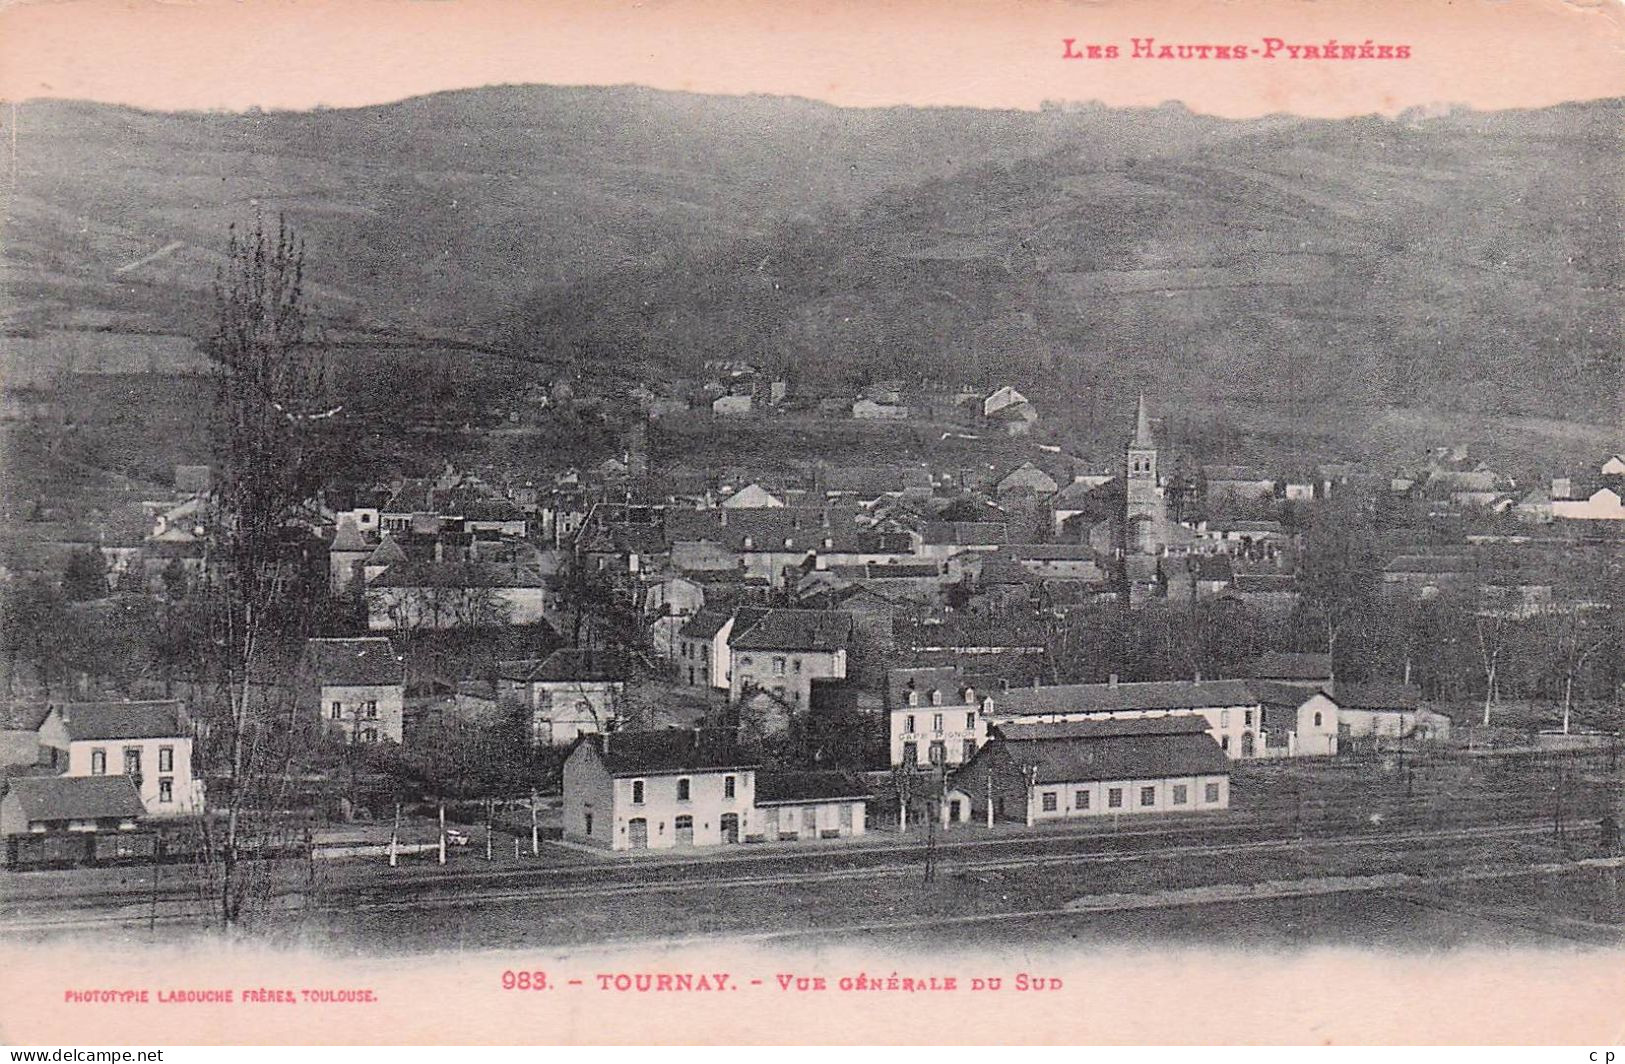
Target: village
x=621, y=656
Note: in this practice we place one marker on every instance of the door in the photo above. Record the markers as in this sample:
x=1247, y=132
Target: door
x=730, y=827
x=638, y=832
x=1246, y=744
x=685, y=831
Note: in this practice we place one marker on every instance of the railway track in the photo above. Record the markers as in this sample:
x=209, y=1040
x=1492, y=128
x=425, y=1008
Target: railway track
x=443, y=893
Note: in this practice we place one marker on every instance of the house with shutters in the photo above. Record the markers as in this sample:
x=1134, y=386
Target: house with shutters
x=679, y=788
x=702, y=649
x=150, y=743
x=1040, y=772
x=658, y=790
x=784, y=650
x=358, y=687
x=934, y=717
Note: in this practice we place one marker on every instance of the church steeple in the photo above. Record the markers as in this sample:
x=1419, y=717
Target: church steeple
x=1142, y=427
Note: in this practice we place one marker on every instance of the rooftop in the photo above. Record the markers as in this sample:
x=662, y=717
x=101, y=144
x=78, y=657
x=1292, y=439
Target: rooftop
x=785, y=788
x=1062, y=753
x=1154, y=695
x=787, y=629
x=669, y=751
x=77, y=797
x=367, y=662
x=122, y=720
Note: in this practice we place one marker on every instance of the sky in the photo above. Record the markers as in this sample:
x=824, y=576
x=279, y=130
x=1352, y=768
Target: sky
x=236, y=54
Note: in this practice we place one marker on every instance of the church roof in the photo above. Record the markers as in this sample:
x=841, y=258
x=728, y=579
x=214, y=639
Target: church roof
x=1142, y=426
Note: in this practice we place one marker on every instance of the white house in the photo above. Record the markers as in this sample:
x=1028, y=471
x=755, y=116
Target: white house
x=934, y=717
x=782, y=651
x=658, y=790
x=148, y=742
x=1001, y=398
x=358, y=685
x=702, y=650
x=570, y=693
x=695, y=787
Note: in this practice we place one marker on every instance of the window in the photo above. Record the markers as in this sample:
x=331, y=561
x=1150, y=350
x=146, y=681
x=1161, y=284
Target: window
x=1181, y=793
x=369, y=735
x=705, y=651
x=1148, y=796
x=1114, y=798
x=938, y=753
x=637, y=792
x=967, y=750
x=908, y=722
x=809, y=818
x=936, y=722
x=913, y=700
x=744, y=661
x=372, y=710
x=1224, y=718
x=1080, y=800
x=970, y=721
x=911, y=753
x=936, y=698
x=98, y=762
x=1317, y=718
x=1212, y=792
x=1247, y=718
x=778, y=666
x=682, y=790
x=728, y=786
x=166, y=790
x=132, y=762
x=166, y=759
x=337, y=711
x=1224, y=742
x=1050, y=801
x=795, y=664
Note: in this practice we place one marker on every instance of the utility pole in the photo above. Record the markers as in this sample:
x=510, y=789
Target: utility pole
x=442, y=832
x=488, y=829
x=395, y=838
x=535, y=834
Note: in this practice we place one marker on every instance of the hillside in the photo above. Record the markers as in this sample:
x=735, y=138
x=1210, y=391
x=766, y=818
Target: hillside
x=1469, y=261
x=442, y=212
x=1464, y=261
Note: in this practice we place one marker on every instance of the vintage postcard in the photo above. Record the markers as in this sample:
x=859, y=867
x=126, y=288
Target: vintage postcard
x=722, y=522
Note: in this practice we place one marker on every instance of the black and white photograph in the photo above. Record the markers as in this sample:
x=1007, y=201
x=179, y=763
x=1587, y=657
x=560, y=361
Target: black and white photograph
x=706, y=523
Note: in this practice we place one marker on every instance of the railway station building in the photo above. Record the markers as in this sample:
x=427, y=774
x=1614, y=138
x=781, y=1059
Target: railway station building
x=1033, y=773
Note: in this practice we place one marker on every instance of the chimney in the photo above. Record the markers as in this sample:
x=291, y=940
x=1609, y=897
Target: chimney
x=1111, y=681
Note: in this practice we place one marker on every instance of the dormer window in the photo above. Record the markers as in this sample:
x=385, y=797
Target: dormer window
x=936, y=698
x=914, y=698
x=750, y=542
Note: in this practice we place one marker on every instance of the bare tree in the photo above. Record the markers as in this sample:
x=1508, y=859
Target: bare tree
x=267, y=412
